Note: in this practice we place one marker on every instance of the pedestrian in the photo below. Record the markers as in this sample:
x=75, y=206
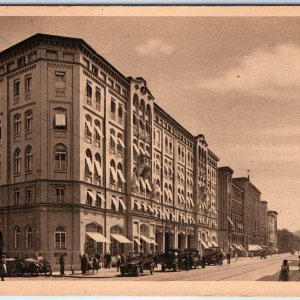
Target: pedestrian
x=203, y=262
x=236, y=257
x=83, y=264
x=299, y=266
x=108, y=260
x=118, y=263
x=221, y=256
x=95, y=264
x=284, y=272
x=228, y=256
x=62, y=264
x=3, y=270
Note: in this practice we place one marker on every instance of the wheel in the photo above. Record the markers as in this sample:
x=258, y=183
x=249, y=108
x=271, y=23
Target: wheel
x=34, y=271
x=20, y=269
x=48, y=271
x=138, y=272
x=163, y=268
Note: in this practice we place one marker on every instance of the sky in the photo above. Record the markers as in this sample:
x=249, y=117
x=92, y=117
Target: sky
x=235, y=79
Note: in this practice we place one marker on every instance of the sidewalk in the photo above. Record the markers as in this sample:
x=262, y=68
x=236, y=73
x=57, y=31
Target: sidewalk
x=102, y=273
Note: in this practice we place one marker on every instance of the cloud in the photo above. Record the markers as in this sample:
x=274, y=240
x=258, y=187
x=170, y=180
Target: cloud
x=155, y=47
x=272, y=73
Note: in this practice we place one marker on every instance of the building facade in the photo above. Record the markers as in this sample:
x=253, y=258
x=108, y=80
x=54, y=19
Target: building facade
x=231, y=214
x=272, y=229
x=90, y=163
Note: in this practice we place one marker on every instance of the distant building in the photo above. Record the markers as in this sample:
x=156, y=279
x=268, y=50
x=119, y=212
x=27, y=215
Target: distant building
x=262, y=224
x=230, y=212
x=272, y=229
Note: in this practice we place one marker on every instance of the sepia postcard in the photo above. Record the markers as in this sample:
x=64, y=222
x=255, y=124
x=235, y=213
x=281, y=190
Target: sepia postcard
x=149, y=151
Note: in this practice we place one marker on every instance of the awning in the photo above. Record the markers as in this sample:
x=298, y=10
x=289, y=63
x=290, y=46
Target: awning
x=192, y=202
x=145, y=205
x=143, y=183
x=135, y=147
x=231, y=247
x=148, y=185
x=166, y=166
x=98, y=237
x=147, y=240
x=98, y=131
x=171, y=170
x=60, y=119
x=230, y=221
x=102, y=198
x=153, y=242
x=137, y=241
x=114, y=174
x=243, y=248
x=142, y=151
x=209, y=244
x=122, y=203
x=158, y=163
x=116, y=202
x=89, y=164
x=137, y=204
x=259, y=247
x=120, y=173
x=120, y=238
x=91, y=195
x=158, y=189
x=121, y=142
x=89, y=126
x=98, y=167
x=253, y=247
x=147, y=153
x=204, y=244
x=150, y=208
x=214, y=244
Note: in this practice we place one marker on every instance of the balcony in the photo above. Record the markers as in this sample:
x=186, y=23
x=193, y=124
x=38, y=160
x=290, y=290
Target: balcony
x=120, y=121
x=27, y=95
x=113, y=116
x=142, y=134
x=135, y=130
x=98, y=106
x=89, y=101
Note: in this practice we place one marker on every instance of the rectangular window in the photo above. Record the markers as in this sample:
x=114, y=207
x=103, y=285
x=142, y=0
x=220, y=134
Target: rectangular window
x=17, y=197
x=98, y=98
x=86, y=63
x=118, y=88
x=32, y=56
x=17, y=124
x=28, y=83
x=95, y=70
x=89, y=198
x=10, y=66
x=60, y=80
x=103, y=76
x=29, y=119
x=28, y=196
x=113, y=109
x=60, y=122
x=110, y=82
x=17, y=87
x=68, y=56
x=60, y=194
x=89, y=90
x=21, y=61
x=52, y=54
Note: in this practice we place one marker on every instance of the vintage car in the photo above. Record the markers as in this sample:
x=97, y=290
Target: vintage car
x=33, y=267
x=173, y=259
x=212, y=255
x=136, y=264
x=193, y=256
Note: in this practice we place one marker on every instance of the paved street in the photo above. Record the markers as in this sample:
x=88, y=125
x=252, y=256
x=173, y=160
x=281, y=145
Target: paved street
x=245, y=269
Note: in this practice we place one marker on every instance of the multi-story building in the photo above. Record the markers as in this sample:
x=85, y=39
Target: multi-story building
x=262, y=224
x=272, y=229
x=231, y=214
x=89, y=163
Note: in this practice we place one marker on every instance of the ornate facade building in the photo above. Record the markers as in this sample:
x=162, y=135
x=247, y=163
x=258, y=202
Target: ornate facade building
x=90, y=163
x=272, y=229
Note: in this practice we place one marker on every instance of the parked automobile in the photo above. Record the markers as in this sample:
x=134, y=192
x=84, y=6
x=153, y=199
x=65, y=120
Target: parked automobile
x=212, y=255
x=33, y=267
x=137, y=264
x=193, y=256
x=173, y=259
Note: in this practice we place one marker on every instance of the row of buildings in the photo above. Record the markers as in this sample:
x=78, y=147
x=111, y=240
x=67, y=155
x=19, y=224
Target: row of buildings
x=89, y=162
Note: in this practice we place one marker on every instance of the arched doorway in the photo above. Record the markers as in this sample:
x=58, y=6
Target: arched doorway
x=169, y=240
x=181, y=241
x=91, y=246
x=144, y=230
x=116, y=247
x=190, y=241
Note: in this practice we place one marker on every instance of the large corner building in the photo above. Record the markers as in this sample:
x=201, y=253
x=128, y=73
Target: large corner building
x=89, y=162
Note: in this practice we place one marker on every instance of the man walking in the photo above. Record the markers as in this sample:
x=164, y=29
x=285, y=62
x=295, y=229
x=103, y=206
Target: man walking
x=62, y=265
x=3, y=270
x=228, y=256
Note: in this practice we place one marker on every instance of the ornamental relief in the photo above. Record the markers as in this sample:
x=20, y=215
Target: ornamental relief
x=21, y=71
x=59, y=65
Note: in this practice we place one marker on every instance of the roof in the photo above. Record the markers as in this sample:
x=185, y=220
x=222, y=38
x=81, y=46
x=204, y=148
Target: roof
x=243, y=180
x=39, y=36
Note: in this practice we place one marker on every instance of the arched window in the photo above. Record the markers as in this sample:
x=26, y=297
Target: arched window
x=120, y=112
x=142, y=108
x=28, y=121
x=121, y=178
x=97, y=130
x=92, y=247
x=17, y=124
x=113, y=174
x=120, y=142
x=28, y=237
x=116, y=246
x=17, y=237
x=17, y=161
x=135, y=103
x=28, y=159
x=88, y=162
x=60, y=157
x=135, y=120
x=98, y=164
x=60, y=237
